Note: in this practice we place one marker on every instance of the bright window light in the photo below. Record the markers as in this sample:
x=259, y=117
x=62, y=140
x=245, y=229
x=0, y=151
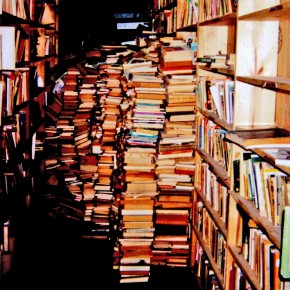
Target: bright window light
x=130, y=25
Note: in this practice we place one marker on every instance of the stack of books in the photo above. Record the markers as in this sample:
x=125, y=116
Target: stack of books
x=173, y=210
x=181, y=97
x=137, y=202
x=144, y=120
x=175, y=167
x=176, y=54
x=103, y=126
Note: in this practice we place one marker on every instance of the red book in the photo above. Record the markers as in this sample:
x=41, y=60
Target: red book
x=184, y=69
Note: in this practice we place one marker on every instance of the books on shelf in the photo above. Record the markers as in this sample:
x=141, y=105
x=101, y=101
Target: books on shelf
x=283, y=156
x=279, y=155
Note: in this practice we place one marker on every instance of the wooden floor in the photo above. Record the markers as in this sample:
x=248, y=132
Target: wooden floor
x=51, y=254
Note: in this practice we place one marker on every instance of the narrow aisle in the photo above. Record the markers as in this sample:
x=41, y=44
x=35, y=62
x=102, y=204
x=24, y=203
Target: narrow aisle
x=55, y=257
x=50, y=253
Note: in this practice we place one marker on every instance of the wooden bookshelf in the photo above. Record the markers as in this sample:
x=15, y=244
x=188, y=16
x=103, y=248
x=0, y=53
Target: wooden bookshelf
x=28, y=56
x=256, y=35
x=224, y=189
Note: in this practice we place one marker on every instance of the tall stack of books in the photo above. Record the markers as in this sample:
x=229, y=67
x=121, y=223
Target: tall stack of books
x=82, y=119
x=143, y=121
x=59, y=145
x=137, y=202
x=181, y=96
x=175, y=169
x=102, y=135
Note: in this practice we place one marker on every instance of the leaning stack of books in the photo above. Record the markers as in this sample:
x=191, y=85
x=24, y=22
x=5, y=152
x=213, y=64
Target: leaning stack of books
x=144, y=121
x=104, y=120
x=137, y=201
x=175, y=169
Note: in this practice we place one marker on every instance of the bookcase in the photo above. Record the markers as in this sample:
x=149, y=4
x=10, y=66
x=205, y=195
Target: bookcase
x=29, y=47
x=172, y=16
x=240, y=193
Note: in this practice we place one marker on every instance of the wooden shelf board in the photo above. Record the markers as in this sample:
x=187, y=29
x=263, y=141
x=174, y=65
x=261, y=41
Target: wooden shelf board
x=215, y=167
x=215, y=118
x=223, y=20
x=269, y=158
x=245, y=267
x=214, y=215
x=268, y=82
x=277, y=12
x=207, y=251
x=273, y=232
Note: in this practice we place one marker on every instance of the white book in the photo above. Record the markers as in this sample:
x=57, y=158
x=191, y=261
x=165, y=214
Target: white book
x=137, y=211
x=134, y=267
x=7, y=45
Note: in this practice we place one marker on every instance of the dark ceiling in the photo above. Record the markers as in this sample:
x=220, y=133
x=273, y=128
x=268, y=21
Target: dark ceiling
x=87, y=23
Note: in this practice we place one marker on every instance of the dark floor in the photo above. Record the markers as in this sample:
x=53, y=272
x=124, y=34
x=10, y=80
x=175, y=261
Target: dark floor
x=51, y=254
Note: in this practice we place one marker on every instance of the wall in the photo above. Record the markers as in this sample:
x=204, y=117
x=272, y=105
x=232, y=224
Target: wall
x=85, y=22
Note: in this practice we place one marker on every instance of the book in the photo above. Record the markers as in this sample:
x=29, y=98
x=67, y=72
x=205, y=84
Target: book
x=175, y=51
x=137, y=212
x=283, y=156
x=185, y=69
x=260, y=138
x=177, y=97
x=285, y=249
x=8, y=53
x=181, y=117
x=46, y=15
x=134, y=279
x=133, y=268
x=275, y=281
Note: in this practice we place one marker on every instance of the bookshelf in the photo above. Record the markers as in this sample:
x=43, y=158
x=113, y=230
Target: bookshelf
x=170, y=17
x=29, y=47
x=242, y=110
x=231, y=200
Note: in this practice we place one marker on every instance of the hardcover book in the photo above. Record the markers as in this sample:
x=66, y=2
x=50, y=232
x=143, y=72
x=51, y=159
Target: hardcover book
x=285, y=250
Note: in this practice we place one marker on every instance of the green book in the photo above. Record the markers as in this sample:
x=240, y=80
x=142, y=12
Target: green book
x=285, y=249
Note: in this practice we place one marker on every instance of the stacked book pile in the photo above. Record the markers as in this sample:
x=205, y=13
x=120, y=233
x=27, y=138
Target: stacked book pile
x=74, y=132
x=85, y=117
x=125, y=141
x=104, y=124
x=176, y=57
x=181, y=96
x=175, y=169
x=143, y=121
x=59, y=147
x=97, y=221
x=149, y=95
x=137, y=201
x=176, y=53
